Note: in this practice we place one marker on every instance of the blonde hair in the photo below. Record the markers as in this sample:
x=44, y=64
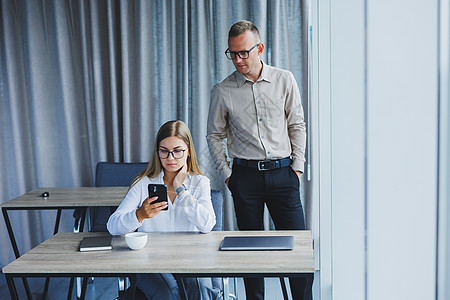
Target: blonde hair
x=180, y=130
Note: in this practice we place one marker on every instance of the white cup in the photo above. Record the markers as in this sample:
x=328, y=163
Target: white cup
x=136, y=240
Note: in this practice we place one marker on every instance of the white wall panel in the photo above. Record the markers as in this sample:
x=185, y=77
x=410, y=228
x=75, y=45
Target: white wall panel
x=377, y=104
x=348, y=150
x=323, y=147
x=402, y=149
x=443, y=279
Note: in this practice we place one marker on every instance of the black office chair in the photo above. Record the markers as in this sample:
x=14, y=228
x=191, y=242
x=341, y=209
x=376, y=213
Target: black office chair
x=110, y=174
x=217, y=202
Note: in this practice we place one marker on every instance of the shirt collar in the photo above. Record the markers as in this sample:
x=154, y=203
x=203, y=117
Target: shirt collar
x=160, y=177
x=265, y=75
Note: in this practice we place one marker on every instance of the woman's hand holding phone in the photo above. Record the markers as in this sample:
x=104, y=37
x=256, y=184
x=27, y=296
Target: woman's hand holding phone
x=149, y=209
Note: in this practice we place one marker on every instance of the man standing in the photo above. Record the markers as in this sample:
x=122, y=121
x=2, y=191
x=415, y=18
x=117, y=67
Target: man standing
x=258, y=110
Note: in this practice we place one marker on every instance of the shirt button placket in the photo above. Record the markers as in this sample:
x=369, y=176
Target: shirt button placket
x=171, y=216
x=257, y=106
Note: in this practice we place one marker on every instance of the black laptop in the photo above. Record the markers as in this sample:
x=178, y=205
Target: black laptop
x=239, y=243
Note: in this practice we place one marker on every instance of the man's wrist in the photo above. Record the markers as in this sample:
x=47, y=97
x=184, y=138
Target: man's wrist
x=225, y=174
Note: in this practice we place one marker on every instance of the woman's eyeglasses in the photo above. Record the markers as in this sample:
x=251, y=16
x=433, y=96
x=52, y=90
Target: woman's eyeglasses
x=177, y=154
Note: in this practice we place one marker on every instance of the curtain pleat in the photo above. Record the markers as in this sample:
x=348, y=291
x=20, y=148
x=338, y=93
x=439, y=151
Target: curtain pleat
x=93, y=80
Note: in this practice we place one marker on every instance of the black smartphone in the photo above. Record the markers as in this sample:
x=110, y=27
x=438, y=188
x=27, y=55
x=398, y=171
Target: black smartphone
x=159, y=190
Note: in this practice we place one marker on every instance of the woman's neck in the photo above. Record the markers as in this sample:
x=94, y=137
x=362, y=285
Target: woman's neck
x=168, y=177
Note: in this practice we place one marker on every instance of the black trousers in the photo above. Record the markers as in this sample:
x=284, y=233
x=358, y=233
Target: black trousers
x=279, y=190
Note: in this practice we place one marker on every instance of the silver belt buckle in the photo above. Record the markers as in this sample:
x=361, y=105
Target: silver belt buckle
x=262, y=162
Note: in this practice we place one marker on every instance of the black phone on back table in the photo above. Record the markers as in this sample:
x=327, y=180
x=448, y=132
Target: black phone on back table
x=159, y=190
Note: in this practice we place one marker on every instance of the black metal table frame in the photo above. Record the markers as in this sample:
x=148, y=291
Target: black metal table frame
x=79, y=224
x=13, y=291
x=14, y=296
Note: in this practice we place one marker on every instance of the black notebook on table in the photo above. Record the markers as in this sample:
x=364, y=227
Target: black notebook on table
x=239, y=243
x=96, y=243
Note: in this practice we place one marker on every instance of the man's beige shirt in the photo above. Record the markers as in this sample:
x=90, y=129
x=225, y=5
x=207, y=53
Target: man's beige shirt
x=260, y=120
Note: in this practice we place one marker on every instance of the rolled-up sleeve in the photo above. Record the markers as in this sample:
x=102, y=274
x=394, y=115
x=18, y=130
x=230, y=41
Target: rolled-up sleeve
x=296, y=124
x=217, y=132
x=124, y=219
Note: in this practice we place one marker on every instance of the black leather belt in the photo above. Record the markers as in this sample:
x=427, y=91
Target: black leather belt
x=264, y=165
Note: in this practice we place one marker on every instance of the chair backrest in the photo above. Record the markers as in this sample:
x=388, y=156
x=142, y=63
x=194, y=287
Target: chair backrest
x=112, y=174
x=217, y=202
x=117, y=174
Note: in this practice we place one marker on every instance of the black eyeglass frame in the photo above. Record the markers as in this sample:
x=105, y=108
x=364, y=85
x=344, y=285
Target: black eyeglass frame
x=229, y=54
x=171, y=152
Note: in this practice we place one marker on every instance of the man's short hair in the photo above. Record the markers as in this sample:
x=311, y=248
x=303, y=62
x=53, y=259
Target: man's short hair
x=240, y=27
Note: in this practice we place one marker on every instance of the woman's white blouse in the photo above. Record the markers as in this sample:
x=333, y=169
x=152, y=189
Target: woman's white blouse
x=191, y=211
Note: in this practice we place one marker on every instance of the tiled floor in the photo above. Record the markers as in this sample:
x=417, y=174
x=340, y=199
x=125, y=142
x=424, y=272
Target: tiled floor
x=106, y=288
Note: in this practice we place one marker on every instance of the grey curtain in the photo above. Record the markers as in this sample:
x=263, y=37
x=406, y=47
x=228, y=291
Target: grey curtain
x=89, y=81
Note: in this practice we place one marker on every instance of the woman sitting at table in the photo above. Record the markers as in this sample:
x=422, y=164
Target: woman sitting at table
x=173, y=163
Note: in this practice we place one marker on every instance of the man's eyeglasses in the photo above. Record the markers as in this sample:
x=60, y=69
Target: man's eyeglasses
x=242, y=54
x=177, y=154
